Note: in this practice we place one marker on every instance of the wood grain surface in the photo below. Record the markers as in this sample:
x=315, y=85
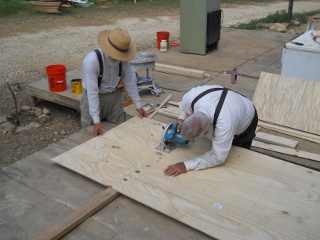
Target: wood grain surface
x=251, y=196
x=289, y=102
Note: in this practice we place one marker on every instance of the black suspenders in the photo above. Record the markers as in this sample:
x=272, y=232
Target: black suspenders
x=220, y=103
x=101, y=67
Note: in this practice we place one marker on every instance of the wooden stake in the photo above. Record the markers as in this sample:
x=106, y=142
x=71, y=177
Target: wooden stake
x=161, y=105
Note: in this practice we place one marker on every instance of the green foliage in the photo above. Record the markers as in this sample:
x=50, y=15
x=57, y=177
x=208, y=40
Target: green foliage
x=14, y=6
x=246, y=1
x=277, y=17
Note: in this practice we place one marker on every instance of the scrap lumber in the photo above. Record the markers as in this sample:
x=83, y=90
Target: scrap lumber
x=170, y=111
x=289, y=102
x=287, y=151
x=79, y=215
x=177, y=104
x=279, y=141
x=291, y=132
x=160, y=67
x=160, y=106
x=50, y=7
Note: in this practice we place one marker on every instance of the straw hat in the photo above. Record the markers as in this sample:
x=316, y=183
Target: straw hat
x=117, y=44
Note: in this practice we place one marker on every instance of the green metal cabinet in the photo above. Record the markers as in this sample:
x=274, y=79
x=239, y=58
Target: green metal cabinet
x=193, y=24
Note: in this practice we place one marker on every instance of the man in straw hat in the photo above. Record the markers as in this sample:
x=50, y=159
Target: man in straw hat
x=104, y=101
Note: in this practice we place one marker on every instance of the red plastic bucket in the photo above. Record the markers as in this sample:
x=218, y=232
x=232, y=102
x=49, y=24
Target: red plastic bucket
x=57, y=77
x=162, y=36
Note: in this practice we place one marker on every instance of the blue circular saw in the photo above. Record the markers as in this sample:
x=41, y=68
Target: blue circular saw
x=171, y=138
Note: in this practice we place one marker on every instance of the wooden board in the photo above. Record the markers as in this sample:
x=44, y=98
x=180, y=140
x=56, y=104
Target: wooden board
x=277, y=140
x=79, y=215
x=251, y=196
x=170, y=111
x=289, y=102
x=285, y=150
x=40, y=90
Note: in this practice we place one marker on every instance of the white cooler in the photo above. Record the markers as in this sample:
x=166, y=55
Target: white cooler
x=302, y=61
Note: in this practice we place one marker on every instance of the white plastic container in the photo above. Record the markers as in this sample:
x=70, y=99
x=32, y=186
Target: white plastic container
x=301, y=57
x=163, y=46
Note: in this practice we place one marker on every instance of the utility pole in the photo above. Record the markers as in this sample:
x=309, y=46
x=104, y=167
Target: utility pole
x=290, y=10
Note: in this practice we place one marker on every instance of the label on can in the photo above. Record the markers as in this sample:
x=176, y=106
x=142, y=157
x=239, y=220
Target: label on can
x=76, y=86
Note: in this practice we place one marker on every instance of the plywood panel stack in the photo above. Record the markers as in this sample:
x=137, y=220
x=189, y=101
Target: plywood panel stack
x=289, y=102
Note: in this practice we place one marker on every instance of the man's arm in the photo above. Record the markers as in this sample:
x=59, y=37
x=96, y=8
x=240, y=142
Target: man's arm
x=130, y=84
x=221, y=145
x=90, y=77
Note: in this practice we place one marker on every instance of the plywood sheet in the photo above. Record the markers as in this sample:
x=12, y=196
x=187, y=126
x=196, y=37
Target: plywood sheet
x=251, y=196
x=289, y=102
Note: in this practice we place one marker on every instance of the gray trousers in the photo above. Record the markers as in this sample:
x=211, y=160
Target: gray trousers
x=110, y=105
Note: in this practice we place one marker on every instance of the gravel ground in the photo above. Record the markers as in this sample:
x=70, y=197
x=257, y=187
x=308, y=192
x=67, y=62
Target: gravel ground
x=25, y=56
x=30, y=43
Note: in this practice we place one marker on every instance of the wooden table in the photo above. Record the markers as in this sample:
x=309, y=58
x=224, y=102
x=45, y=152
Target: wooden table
x=40, y=90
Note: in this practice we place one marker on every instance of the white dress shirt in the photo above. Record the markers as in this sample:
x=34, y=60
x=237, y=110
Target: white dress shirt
x=235, y=117
x=109, y=81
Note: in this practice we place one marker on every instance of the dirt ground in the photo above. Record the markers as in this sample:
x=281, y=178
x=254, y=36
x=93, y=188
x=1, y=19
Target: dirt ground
x=64, y=121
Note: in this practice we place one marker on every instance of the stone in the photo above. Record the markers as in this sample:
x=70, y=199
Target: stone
x=37, y=111
x=28, y=127
x=7, y=127
x=44, y=118
x=295, y=23
x=278, y=27
x=3, y=118
x=25, y=108
x=46, y=111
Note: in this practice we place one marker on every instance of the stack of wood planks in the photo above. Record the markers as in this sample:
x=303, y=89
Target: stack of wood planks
x=49, y=7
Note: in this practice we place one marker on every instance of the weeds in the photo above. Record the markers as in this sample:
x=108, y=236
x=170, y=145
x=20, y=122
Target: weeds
x=277, y=17
x=14, y=6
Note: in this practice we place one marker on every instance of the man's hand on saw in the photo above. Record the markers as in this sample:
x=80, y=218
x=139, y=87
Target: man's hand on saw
x=180, y=122
x=175, y=169
x=97, y=129
x=142, y=112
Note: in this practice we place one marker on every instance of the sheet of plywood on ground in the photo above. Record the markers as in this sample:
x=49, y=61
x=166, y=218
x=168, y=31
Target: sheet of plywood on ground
x=251, y=196
x=289, y=102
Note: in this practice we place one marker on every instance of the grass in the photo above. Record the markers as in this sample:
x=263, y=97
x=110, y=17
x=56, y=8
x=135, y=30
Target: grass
x=277, y=17
x=8, y=7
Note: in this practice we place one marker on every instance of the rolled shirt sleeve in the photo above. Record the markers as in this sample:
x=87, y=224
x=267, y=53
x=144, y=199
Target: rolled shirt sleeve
x=221, y=144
